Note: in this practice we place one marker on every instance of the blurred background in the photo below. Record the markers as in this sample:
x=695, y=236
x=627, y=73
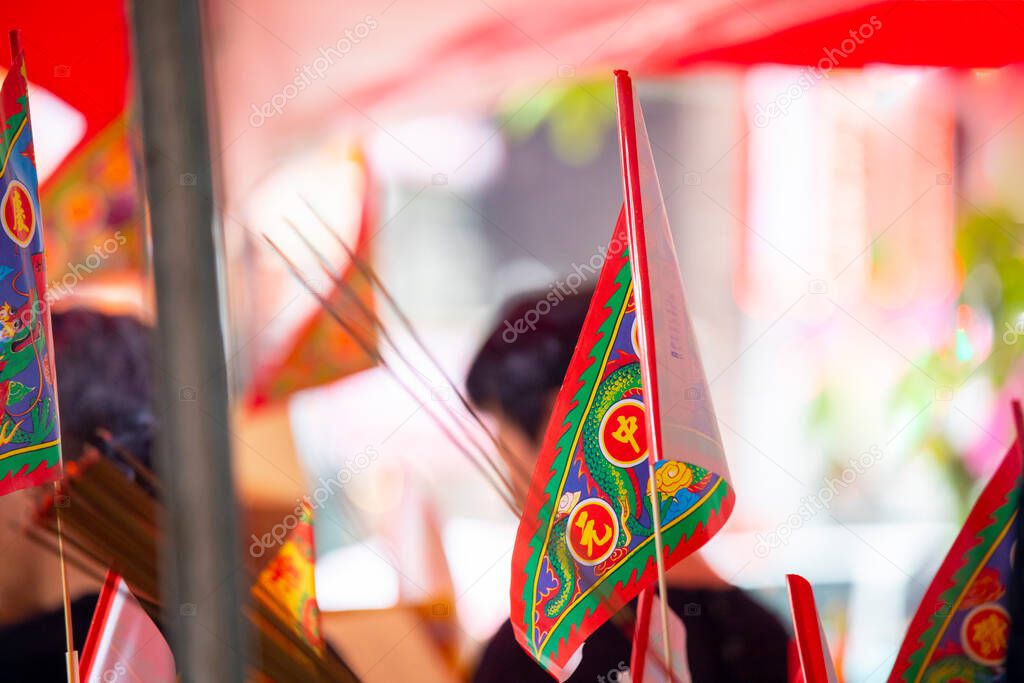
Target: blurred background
x=839, y=178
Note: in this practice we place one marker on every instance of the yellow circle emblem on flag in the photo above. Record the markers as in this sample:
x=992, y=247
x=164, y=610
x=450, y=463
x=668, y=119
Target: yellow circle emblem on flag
x=985, y=634
x=623, y=434
x=18, y=213
x=592, y=532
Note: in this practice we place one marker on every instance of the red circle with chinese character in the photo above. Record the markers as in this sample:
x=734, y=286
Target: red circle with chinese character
x=623, y=435
x=985, y=634
x=592, y=532
x=18, y=213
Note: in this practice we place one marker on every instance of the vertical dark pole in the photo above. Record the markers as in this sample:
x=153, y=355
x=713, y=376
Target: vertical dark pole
x=200, y=561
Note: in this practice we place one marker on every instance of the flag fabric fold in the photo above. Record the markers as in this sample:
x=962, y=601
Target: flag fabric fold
x=676, y=390
x=813, y=656
x=123, y=642
x=586, y=544
x=29, y=430
x=961, y=628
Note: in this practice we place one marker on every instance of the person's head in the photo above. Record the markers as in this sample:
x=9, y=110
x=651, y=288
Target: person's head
x=519, y=369
x=104, y=368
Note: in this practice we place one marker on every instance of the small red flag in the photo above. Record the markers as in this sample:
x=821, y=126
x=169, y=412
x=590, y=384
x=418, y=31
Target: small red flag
x=123, y=642
x=812, y=648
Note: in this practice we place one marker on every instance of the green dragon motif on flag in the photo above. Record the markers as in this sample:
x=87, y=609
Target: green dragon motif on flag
x=586, y=543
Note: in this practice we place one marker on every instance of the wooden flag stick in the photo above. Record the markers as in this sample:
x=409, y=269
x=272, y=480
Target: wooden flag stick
x=60, y=501
x=662, y=582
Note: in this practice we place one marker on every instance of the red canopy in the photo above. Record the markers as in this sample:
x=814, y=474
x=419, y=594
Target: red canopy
x=370, y=62
x=76, y=50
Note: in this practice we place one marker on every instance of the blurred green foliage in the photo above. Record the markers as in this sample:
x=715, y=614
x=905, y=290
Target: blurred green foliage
x=576, y=118
x=989, y=250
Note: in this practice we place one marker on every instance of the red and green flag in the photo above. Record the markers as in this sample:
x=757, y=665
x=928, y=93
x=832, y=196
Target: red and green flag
x=29, y=430
x=586, y=540
x=961, y=629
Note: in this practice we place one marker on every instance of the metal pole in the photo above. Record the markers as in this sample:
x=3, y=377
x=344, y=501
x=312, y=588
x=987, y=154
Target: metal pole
x=200, y=561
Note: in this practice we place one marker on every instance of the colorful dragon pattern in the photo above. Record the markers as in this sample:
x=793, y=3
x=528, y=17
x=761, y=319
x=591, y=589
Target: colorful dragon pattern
x=29, y=431
x=586, y=544
x=960, y=631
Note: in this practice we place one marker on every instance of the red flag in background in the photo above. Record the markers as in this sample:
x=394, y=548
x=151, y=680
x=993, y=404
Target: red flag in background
x=320, y=351
x=961, y=628
x=123, y=642
x=813, y=655
x=586, y=542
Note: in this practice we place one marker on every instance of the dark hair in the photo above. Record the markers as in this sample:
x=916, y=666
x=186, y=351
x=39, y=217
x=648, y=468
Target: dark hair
x=526, y=356
x=103, y=381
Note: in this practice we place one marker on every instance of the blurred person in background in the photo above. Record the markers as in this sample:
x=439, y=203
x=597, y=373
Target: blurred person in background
x=729, y=636
x=103, y=365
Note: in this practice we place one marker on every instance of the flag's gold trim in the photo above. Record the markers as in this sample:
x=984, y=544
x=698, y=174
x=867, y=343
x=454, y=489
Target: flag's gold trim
x=29, y=449
x=14, y=140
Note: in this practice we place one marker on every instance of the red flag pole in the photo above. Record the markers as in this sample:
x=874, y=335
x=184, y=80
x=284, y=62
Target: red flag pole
x=71, y=656
x=642, y=298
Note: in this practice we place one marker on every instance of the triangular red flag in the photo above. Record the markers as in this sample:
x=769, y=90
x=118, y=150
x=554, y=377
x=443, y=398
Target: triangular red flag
x=962, y=625
x=586, y=541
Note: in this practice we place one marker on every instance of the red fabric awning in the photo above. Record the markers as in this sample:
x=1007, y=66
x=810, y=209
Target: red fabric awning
x=911, y=32
x=79, y=51
x=392, y=59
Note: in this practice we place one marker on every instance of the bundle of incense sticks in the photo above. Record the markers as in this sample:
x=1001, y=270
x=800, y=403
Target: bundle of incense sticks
x=110, y=520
